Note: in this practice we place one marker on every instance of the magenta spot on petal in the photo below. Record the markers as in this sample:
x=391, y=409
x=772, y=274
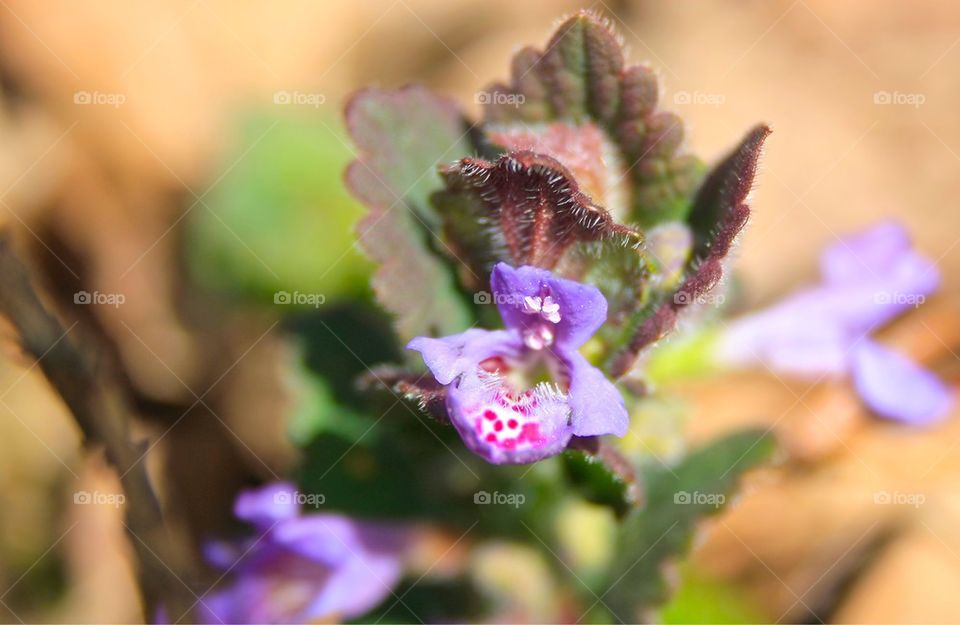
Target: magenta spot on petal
x=531, y=432
x=491, y=438
x=489, y=415
x=498, y=426
x=512, y=423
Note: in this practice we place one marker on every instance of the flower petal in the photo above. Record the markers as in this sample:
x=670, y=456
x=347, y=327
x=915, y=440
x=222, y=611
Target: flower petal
x=791, y=337
x=596, y=406
x=450, y=356
x=357, y=586
x=897, y=388
x=267, y=505
x=582, y=308
x=864, y=254
x=326, y=538
x=506, y=431
x=870, y=278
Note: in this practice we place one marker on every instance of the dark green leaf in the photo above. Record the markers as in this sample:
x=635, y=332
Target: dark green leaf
x=595, y=481
x=676, y=499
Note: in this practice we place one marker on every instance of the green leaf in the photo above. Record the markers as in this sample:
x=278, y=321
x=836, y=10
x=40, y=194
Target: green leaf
x=578, y=83
x=279, y=219
x=595, y=481
x=677, y=498
x=402, y=136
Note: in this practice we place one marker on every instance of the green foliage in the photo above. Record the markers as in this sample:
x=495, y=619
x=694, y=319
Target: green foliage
x=595, y=481
x=702, y=600
x=676, y=498
x=685, y=356
x=279, y=219
x=581, y=77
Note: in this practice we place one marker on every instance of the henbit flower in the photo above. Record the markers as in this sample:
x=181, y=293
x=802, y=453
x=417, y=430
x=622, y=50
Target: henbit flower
x=867, y=280
x=302, y=567
x=520, y=394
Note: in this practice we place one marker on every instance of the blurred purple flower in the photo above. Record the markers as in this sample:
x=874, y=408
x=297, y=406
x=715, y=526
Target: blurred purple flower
x=867, y=280
x=518, y=395
x=301, y=568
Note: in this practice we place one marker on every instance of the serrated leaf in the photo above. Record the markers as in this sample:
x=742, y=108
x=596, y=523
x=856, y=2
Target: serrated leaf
x=580, y=83
x=719, y=213
x=402, y=136
x=676, y=499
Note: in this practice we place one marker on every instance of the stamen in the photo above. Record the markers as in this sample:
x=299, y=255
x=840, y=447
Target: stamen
x=543, y=305
x=532, y=305
x=550, y=310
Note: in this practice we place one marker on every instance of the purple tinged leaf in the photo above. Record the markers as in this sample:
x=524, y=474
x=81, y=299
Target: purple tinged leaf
x=536, y=206
x=401, y=136
x=719, y=213
x=422, y=389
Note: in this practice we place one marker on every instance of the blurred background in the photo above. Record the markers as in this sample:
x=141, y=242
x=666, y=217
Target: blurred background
x=169, y=166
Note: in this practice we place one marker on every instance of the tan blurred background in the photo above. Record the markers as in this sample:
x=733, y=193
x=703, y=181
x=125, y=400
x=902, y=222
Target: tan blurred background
x=862, y=96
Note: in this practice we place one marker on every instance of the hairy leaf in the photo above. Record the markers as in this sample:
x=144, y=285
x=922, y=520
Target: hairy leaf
x=719, y=213
x=677, y=498
x=556, y=101
x=420, y=389
x=402, y=136
x=601, y=474
x=536, y=205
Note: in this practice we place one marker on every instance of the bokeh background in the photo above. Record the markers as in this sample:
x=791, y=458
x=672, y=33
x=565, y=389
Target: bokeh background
x=185, y=157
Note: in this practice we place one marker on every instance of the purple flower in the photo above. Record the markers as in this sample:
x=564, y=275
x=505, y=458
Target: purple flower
x=518, y=395
x=301, y=568
x=867, y=280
